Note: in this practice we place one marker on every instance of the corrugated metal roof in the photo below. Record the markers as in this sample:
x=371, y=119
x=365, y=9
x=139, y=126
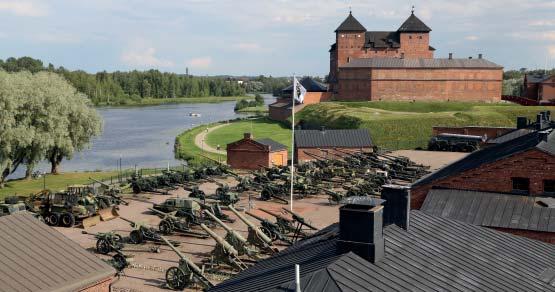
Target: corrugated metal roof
x=420, y=63
x=413, y=24
x=382, y=39
x=510, y=136
x=435, y=254
x=350, y=24
x=490, y=209
x=274, y=146
x=493, y=153
x=36, y=257
x=355, y=138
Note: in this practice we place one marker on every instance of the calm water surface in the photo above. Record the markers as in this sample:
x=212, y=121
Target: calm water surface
x=143, y=136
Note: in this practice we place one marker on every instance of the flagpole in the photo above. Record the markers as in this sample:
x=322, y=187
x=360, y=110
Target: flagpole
x=293, y=141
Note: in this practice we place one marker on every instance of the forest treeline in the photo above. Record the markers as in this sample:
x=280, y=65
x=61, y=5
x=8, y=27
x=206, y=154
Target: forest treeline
x=108, y=88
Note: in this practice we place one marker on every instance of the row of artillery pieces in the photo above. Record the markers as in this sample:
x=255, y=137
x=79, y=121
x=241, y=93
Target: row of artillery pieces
x=351, y=174
x=232, y=253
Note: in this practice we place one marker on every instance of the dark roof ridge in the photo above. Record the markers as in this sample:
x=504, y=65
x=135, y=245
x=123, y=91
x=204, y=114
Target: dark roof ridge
x=350, y=24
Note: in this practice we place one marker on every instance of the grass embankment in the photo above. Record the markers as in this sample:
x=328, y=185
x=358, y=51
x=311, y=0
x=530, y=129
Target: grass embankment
x=256, y=109
x=160, y=101
x=58, y=182
x=185, y=148
x=408, y=125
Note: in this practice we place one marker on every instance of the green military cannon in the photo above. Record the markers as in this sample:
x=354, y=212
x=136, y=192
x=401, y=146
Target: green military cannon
x=224, y=193
x=171, y=224
x=255, y=236
x=143, y=232
x=236, y=240
x=107, y=242
x=272, y=230
x=224, y=253
x=186, y=274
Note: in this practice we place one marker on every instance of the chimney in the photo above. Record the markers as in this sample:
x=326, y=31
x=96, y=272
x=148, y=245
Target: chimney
x=402, y=55
x=396, y=205
x=247, y=136
x=521, y=122
x=539, y=122
x=361, y=229
x=450, y=56
x=480, y=56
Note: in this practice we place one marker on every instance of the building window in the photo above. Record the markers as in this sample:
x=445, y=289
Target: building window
x=549, y=186
x=410, y=37
x=420, y=37
x=521, y=185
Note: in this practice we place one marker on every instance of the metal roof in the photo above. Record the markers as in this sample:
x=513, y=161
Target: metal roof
x=350, y=24
x=352, y=138
x=421, y=63
x=36, y=257
x=274, y=146
x=536, y=78
x=309, y=84
x=435, y=254
x=490, y=209
x=413, y=24
x=382, y=39
x=493, y=153
x=510, y=136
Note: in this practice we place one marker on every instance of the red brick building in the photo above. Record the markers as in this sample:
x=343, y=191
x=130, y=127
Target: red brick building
x=282, y=109
x=523, y=165
x=539, y=87
x=330, y=144
x=248, y=153
x=400, y=65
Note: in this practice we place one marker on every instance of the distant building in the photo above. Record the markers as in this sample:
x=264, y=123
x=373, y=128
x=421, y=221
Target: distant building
x=249, y=153
x=539, y=87
x=400, y=65
x=382, y=246
x=281, y=109
x=330, y=144
x=36, y=257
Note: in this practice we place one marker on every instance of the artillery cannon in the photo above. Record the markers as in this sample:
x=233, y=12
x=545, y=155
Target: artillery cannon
x=186, y=274
x=255, y=236
x=112, y=192
x=196, y=192
x=224, y=252
x=236, y=240
x=274, y=191
x=170, y=224
x=285, y=224
x=270, y=229
x=224, y=193
x=299, y=219
x=146, y=184
x=216, y=210
x=107, y=242
x=143, y=232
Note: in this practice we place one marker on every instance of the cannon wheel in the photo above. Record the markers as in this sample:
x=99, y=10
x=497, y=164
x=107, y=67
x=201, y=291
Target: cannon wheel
x=165, y=227
x=102, y=246
x=53, y=219
x=136, y=237
x=120, y=262
x=67, y=220
x=175, y=278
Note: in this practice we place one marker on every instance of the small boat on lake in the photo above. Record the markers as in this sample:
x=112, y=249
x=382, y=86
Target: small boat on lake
x=197, y=115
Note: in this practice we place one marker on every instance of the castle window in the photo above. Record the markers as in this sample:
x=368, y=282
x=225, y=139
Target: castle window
x=521, y=185
x=549, y=186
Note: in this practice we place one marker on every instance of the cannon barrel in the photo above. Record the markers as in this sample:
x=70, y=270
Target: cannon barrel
x=255, y=216
x=275, y=214
x=100, y=182
x=228, y=247
x=161, y=213
x=227, y=228
x=133, y=223
x=300, y=219
x=196, y=270
x=260, y=234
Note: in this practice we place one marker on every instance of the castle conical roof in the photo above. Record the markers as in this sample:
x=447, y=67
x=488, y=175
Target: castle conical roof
x=350, y=24
x=414, y=24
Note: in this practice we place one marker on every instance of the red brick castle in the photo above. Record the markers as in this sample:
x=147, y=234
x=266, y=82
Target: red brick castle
x=400, y=65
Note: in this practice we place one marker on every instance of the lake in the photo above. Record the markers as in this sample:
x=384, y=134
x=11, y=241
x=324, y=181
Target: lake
x=143, y=136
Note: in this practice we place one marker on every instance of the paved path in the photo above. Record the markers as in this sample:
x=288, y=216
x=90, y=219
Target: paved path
x=202, y=136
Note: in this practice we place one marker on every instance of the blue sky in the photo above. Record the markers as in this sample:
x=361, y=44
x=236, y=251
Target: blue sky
x=252, y=37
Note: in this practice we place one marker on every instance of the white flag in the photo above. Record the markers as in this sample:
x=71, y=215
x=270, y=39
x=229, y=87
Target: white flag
x=298, y=90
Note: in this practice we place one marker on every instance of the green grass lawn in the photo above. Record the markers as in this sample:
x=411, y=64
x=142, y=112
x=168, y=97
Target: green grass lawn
x=260, y=128
x=53, y=182
x=185, y=148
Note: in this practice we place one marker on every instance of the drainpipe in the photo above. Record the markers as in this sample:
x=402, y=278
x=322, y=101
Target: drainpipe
x=297, y=278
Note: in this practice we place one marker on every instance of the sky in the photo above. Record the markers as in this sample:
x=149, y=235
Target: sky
x=253, y=37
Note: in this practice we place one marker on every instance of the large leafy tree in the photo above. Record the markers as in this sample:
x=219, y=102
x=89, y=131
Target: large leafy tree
x=42, y=116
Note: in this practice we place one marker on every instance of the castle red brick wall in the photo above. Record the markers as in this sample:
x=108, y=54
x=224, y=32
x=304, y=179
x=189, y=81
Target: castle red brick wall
x=416, y=45
x=311, y=154
x=548, y=90
x=496, y=176
x=103, y=286
x=420, y=84
x=249, y=154
x=490, y=132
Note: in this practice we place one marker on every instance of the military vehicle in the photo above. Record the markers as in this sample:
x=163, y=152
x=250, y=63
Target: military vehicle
x=455, y=142
x=186, y=274
x=64, y=208
x=11, y=205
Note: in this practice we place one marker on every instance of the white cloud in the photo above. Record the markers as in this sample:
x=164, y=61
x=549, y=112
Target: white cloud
x=201, y=62
x=144, y=58
x=538, y=36
x=250, y=47
x=471, y=38
x=23, y=8
x=545, y=22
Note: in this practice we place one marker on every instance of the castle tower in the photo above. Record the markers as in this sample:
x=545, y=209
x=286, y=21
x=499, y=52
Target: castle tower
x=414, y=36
